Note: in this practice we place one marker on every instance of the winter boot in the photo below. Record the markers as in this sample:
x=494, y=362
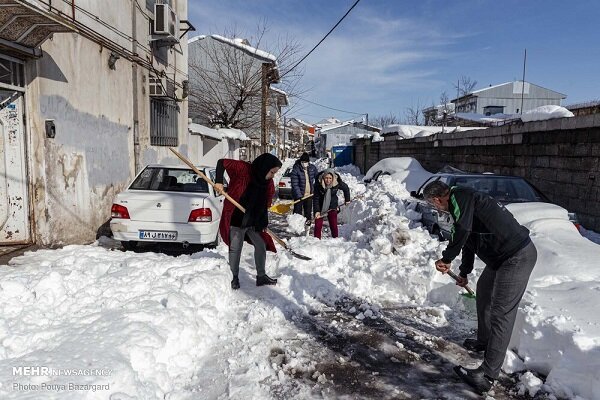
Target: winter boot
x=265, y=280
x=475, y=378
x=235, y=283
x=473, y=345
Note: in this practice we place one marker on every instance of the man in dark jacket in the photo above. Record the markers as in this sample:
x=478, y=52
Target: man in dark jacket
x=303, y=177
x=485, y=228
x=325, y=200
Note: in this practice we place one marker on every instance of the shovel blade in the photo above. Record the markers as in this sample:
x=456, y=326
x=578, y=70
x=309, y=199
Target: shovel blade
x=280, y=208
x=300, y=256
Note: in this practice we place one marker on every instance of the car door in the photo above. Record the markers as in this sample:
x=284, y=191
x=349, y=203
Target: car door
x=215, y=200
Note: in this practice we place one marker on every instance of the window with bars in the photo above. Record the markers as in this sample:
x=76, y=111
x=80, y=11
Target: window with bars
x=163, y=123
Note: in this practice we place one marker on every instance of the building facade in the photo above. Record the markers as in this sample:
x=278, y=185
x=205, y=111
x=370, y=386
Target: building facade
x=230, y=87
x=507, y=98
x=97, y=91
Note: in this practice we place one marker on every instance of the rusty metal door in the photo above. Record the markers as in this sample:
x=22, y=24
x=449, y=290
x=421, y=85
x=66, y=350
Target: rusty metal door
x=14, y=203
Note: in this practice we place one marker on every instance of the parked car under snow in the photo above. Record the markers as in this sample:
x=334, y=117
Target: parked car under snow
x=507, y=190
x=406, y=170
x=167, y=204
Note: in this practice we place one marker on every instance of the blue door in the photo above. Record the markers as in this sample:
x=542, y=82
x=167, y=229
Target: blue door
x=342, y=155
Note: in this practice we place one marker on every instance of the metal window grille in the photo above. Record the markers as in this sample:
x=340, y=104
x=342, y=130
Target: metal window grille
x=163, y=123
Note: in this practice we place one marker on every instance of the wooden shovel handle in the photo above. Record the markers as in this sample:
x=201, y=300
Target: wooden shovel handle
x=228, y=197
x=455, y=277
x=206, y=178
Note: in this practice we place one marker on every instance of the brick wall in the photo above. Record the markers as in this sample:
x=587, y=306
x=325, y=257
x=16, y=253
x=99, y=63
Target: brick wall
x=561, y=157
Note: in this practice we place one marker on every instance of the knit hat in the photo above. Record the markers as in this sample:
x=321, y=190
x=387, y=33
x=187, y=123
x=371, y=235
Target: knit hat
x=304, y=157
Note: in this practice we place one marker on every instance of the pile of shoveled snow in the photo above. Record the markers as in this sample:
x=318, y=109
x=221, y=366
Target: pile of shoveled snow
x=172, y=328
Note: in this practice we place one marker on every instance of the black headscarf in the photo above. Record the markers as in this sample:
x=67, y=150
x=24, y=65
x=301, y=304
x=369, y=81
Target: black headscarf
x=254, y=199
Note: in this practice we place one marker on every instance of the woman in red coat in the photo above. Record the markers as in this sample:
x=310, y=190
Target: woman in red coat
x=252, y=186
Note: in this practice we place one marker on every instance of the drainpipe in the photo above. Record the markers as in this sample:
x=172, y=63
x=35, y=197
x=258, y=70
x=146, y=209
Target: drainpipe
x=134, y=80
x=73, y=9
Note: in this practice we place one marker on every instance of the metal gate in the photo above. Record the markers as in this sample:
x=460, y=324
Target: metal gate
x=14, y=202
x=342, y=155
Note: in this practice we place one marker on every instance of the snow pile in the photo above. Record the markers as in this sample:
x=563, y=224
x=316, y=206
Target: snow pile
x=172, y=328
x=529, y=384
x=232, y=133
x=405, y=170
x=413, y=131
x=377, y=137
x=546, y=112
x=322, y=164
x=149, y=320
x=295, y=223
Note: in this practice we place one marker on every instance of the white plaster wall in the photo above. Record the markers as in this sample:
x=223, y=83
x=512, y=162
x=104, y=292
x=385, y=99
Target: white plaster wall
x=75, y=176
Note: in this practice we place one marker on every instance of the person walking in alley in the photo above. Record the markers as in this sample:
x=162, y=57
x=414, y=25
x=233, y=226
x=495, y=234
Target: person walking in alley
x=252, y=186
x=303, y=177
x=484, y=227
x=325, y=200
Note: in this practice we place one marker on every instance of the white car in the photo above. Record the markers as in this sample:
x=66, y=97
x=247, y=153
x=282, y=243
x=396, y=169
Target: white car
x=284, y=187
x=167, y=204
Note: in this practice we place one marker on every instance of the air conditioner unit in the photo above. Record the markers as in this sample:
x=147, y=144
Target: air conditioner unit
x=158, y=86
x=166, y=22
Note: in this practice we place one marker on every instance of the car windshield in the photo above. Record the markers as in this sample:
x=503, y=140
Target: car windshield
x=505, y=190
x=169, y=180
x=287, y=173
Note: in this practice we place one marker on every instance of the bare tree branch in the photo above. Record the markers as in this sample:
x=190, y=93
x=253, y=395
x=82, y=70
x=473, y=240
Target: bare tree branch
x=382, y=121
x=226, y=84
x=413, y=115
x=465, y=85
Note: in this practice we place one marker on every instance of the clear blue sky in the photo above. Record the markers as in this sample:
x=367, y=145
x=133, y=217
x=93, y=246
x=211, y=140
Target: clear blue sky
x=391, y=54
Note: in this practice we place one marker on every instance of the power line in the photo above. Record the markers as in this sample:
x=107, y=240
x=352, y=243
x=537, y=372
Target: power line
x=330, y=108
x=321, y=41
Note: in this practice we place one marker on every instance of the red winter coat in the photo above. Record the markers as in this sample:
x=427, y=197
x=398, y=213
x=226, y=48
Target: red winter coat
x=239, y=179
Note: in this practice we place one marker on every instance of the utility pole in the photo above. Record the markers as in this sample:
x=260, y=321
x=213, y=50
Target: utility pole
x=523, y=81
x=284, y=137
x=263, y=108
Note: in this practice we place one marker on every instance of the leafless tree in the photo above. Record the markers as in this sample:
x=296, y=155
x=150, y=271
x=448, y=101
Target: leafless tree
x=382, y=121
x=226, y=81
x=413, y=115
x=444, y=100
x=465, y=85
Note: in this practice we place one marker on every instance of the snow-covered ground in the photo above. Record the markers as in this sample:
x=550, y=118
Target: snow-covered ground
x=152, y=326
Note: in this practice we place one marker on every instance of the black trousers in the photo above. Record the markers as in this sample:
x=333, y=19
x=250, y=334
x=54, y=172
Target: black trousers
x=305, y=205
x=498, y=295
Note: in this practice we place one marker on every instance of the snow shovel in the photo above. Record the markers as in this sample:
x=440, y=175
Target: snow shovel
x=470, y=293
x=338, y=209
x=284, y=208
x=235, y=203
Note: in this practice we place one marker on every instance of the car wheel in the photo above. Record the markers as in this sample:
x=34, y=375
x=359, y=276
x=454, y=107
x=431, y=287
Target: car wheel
x=214, y=244
x=129, y=245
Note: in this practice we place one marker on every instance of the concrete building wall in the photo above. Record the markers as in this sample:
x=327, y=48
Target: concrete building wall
x=102, y=119
x=561, y=157
x=509, y=96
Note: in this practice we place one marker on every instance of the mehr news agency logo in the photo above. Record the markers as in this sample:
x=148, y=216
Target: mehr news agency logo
x=50, y=371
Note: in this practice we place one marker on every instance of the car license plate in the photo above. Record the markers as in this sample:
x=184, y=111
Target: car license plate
x=158, y=235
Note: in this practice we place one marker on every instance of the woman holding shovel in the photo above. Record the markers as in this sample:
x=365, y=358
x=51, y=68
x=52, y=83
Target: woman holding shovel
x=325, y=200
x=252, y=186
